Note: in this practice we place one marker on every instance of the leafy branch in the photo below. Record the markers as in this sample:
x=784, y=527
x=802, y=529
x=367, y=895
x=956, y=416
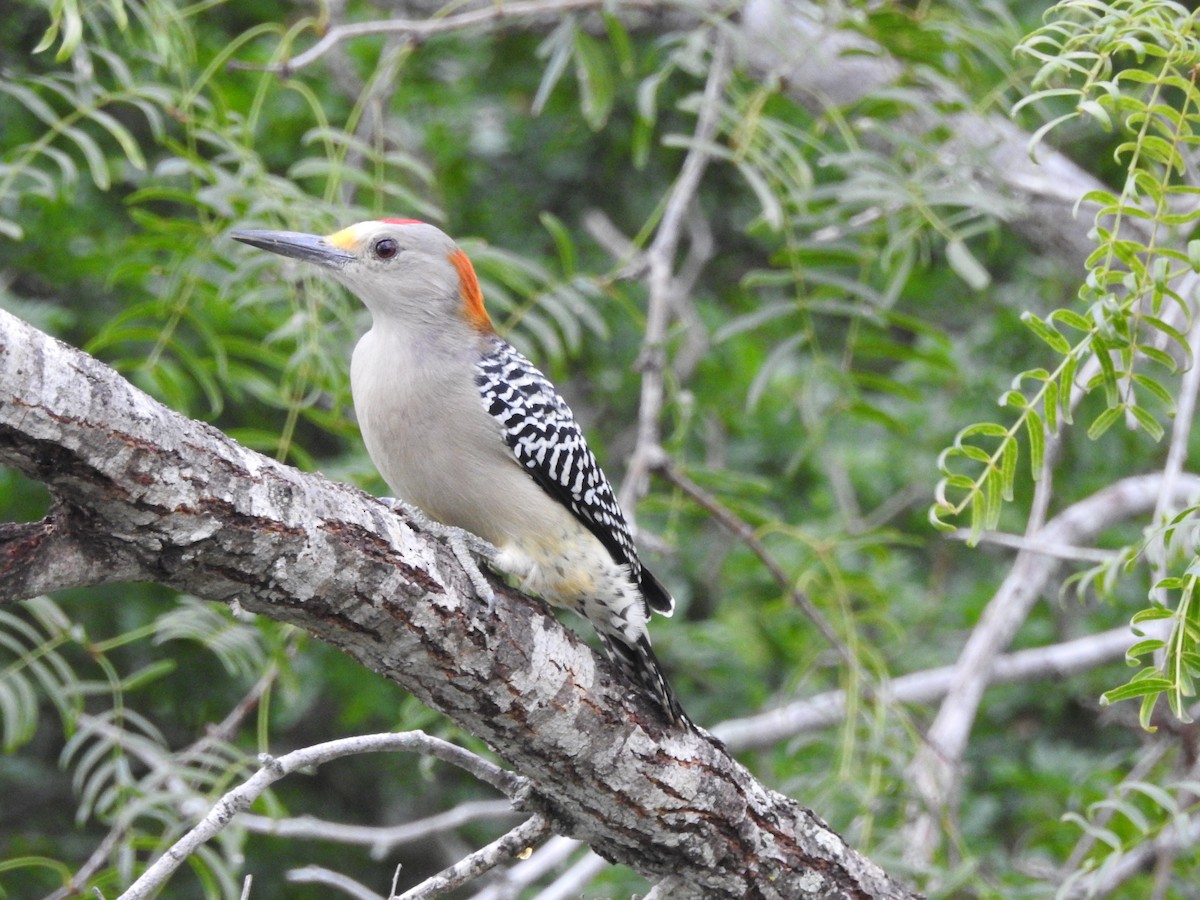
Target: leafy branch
x=1131, y=273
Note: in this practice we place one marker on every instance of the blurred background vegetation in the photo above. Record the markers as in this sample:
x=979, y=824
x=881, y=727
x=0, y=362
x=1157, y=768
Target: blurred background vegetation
x=862, y=304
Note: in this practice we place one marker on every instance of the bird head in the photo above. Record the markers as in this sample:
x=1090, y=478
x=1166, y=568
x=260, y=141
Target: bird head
x=404, y=271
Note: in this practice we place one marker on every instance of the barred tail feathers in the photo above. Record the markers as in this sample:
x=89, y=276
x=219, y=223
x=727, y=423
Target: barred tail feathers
x=638, y=663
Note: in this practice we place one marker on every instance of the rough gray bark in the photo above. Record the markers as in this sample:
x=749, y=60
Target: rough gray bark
x=143, y=493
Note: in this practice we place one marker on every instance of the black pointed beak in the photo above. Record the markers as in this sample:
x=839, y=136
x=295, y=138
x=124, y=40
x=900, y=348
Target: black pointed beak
x=296, y=244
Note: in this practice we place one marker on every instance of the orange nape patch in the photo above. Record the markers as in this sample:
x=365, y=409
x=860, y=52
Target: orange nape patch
x=472, y=296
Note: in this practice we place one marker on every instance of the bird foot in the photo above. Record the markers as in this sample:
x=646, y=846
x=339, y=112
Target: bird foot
x=463, y=544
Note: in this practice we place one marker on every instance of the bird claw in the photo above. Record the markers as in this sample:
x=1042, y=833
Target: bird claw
x=463, y=544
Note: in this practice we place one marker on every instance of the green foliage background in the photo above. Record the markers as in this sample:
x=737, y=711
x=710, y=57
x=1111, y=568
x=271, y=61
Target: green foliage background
x=866, y=303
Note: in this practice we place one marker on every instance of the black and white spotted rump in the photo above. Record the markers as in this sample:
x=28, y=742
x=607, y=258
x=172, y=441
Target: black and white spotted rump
x=542, y=432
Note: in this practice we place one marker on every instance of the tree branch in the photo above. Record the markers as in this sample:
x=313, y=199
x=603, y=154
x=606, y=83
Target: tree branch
x=51, y=555
x=195, y=511
x=822, y=64
x=379, y=839
x=934, y=768
x=660, y=260
x=552, y=854
x=748, y=535
x=331, y=879
x=1055, y=661
x=235, y=801
x=504, y=847
x=482, y=18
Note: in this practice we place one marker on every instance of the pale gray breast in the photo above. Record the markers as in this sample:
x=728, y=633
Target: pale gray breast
x=436, y=446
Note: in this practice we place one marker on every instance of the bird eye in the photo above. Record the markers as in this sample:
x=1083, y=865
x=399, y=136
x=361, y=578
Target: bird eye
x=386, y=248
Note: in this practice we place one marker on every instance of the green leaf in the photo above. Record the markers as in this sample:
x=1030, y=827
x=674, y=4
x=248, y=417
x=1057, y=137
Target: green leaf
x=618, y=37
x=1066, y=383
x=1146, y=712
x=562, y=241
x=1072, y=319
x=1097, y=112
x=1141, y=648
x=558, y=48
x=1153, y=387
x=935, y=518
x=1149, y=424
x=978, y=514
x=1014, y=400
x=1104, y=421
x=1036, y=430
x=1056, y=341
x=1139, y=687
x=1046, y=129
x=1008, y=470
x=1152, y=613
x=1050, y=403
x=596, y=87
x=1157, y=795
x=772, y=208
x=993, y=493
x=1096, y=832
x=966, y=266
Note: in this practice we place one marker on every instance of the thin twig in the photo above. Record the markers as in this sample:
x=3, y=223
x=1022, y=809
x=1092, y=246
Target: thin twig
x=418, y=30
x=379, y=839
x=660, y=259
x=470, y=867
x=749, y=536
x=227, y=727
x=331, y=879
x=573, y=882
x=1036, y=545
x=552, y=854
x=99, y=856
x=928, y=686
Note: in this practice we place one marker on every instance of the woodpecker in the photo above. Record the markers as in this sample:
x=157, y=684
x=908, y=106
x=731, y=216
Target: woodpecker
x=464, y=427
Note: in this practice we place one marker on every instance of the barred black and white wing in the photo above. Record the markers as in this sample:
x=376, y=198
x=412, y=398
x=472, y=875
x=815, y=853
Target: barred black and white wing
x=542, y=433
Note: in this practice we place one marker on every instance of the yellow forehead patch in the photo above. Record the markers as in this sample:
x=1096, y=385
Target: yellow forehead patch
x=347, y=239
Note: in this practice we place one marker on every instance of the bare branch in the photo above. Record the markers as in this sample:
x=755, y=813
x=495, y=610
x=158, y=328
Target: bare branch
x=484, y=18
x=660, y=259
x=1055, y=661
x=552, y=854
x=331, y=879
x=239, y=799
x=1036, y=545
x=934, y=769
x=503, y=848
x=663, y=889
x=380, y=839
x=573, y=882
